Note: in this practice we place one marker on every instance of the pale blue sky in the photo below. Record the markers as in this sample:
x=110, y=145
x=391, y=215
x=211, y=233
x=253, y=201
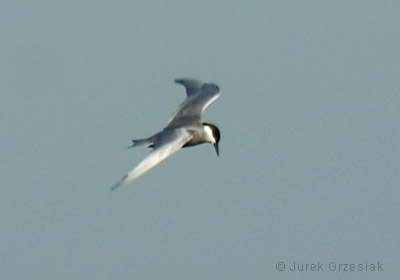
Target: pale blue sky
x=310, y=153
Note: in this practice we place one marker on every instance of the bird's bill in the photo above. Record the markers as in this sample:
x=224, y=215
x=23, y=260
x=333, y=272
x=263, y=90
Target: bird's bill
x=216, y=148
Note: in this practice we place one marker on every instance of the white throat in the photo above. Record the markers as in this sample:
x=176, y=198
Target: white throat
x=208, y=134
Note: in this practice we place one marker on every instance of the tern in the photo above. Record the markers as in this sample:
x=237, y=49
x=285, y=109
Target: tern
x=184, y=129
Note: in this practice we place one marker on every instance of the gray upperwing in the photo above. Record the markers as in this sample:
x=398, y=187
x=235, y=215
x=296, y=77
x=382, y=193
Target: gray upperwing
x=192, y=108
x=192, y=86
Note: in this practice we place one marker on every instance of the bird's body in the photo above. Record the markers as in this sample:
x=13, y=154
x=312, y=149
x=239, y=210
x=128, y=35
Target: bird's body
x=184, y=129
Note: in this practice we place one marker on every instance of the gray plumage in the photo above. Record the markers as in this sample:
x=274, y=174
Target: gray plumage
x=184, y=129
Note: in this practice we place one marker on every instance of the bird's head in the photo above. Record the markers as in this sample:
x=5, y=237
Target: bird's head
x=213, y=135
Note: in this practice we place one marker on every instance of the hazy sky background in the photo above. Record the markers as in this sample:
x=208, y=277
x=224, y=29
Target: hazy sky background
x=310, y=152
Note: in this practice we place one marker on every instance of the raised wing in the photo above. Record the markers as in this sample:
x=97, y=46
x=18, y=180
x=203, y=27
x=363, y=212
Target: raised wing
x=197, y=100
x=192, y=86
x=168, y=143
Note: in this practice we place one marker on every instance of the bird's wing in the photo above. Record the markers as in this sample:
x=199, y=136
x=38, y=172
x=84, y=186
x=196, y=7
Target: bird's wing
x=169, y=143
x=192, y=86
x=192, y=108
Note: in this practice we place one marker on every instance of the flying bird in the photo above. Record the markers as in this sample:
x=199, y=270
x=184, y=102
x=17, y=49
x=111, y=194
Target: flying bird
x=184, y=129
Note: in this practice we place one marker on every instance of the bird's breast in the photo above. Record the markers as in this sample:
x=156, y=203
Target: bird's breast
x=198, y=138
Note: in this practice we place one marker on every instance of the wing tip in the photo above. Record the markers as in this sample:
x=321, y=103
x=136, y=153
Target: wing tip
x=185, y=79
x=119, y=183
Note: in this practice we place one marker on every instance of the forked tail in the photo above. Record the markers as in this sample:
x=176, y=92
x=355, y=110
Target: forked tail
x=139, y=142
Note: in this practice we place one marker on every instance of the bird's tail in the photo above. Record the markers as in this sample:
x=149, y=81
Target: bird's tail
x=139, y=142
